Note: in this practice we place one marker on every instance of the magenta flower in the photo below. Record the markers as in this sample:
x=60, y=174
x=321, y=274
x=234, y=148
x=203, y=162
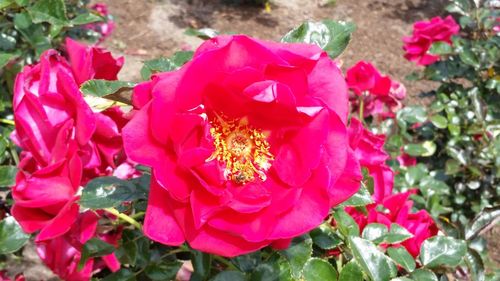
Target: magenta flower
x=248, y=145
x=425, y=33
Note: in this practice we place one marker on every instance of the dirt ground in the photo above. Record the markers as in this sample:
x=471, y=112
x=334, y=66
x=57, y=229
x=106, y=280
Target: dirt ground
x=152, y=28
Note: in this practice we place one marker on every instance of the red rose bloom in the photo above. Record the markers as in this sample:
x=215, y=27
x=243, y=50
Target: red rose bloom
x=248, y=145
x=364, y=77
x=398, y=210
x=369, y=150
x=65, y=143
x=425, y=33
x=63, y=253
x=103, y=28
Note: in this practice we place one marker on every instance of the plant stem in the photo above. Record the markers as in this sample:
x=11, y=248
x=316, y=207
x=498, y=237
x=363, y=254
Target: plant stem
x=124, y=217
x=8, y=122
x=225, y=262
x=361, y=108
x=137, y=215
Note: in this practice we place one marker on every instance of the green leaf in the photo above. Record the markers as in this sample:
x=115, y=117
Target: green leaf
x=324, y=237
x=202, y=33
x=361, y=198
x=51, y=11
x=12, y=237
x=373, y=262
x=8, y=175
x=439, y=121
x=229, y=276
x=7, y=42
x=423, y=275
x=486, y=218
x=127, y=253
x=351, y=272
x=331, y=36
x=396, y=234
x=5, y=58
x=441, y=250
x=298, y=254
x=266, y=272
x=424, y=149
x=402, y=279
x=451, y=167
x=440, y=48
x=165, y=64
x=6, y=3
x=412, y=114
x=108, y=192
x=346, y=224
x=247, y=262
x=475, y=264
x=101, y=88
x=202, y=264
x=164, y=271
x=401, y=256
x=415, y=174
x=318, y=269
x=93, y=248
x=374, y=231
x=121, y=275
x=86, y=19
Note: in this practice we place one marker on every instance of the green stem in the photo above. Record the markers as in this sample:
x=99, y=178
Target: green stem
x=124, y=217
x=361, y=108
x=8, y=122
x=138, y=215
x=225, y=262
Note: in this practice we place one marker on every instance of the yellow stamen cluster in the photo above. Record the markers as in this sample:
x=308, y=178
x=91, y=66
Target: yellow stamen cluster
x=243, y=149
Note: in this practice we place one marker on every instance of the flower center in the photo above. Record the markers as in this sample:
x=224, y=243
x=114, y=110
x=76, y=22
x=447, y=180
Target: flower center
x=243, y=149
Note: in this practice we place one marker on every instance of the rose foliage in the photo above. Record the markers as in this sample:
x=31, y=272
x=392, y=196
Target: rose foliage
x=256, y=160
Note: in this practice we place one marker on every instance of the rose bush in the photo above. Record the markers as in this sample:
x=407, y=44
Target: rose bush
x=242, y=144
x=425, y=33
x=246, y=152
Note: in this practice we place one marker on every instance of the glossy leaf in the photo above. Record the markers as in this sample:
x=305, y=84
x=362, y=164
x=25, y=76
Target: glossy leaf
x=266, y=272
x=324, y=237
x=331, y=36
x=373, y=262
x=318, y=269
x=374, y=231
x=488, y=217
x=439, y=121
x=202, y=33
x=345, y=223
x=441, y=250
x=7, y=175
x=101, y=88
x=202, y=264
x=151, y=67
x=51, y=11
x=123, y=274
x=440, y=48
x=229, y=276
x=298, y=254
x=351, y=272
x=108, y=192
x=95, y=247
x=423, y=275
x=360, y=198
x=164, y=271
x=12, y=237
x=401, y=256
x=86, y=19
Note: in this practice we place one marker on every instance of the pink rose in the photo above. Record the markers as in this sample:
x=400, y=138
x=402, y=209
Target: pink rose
x=103, y=28
x=63, y=253
x=398, y=210
x=369, y=150
x=425, y=33
x=364, y=77
x=91, y=62
x=65, y=143
x=248, y=145
x=45, y=197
